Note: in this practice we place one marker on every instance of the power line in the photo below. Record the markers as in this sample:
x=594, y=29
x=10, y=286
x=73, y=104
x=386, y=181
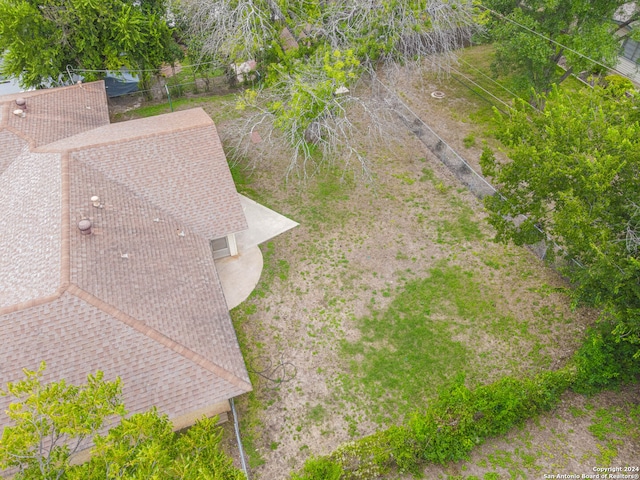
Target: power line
x=499, y=15
x=473, y=190
x=483, y=89
x=143, y=70
x=514, y=95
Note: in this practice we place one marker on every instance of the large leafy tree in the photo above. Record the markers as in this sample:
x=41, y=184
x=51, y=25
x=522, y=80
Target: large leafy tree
x=39, y=40
x=573, y=173
x=53, y=421
x=532, y=37
x=312, y=53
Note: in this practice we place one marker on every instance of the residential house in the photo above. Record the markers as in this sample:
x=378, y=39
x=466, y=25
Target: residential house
x=107, y=236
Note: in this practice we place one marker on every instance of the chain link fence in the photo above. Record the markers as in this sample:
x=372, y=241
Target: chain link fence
x=457, y=165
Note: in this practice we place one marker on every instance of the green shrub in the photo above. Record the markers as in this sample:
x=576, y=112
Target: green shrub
x=603, y=361
x=469, y=141
x=320, y=468
x=458, y=420
x=618, y=85
x=462, y=418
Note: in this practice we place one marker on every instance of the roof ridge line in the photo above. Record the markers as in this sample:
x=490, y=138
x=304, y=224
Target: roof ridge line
x=4, y=114
x=168, y=130
x=159, y=337
x=31, y=144
x=65, y=220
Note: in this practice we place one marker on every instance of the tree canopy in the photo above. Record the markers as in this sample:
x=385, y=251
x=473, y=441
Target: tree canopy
x=53, y=421
x=532, y=37
x=310, y=55
x=573, y=172
x=40, y=39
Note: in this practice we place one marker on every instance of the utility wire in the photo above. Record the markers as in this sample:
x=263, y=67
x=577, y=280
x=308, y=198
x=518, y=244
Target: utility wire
x=144, y=70
x=499, y=15
x=483, y=89
x=481, y=177
x=514, y=95
x=395, y=96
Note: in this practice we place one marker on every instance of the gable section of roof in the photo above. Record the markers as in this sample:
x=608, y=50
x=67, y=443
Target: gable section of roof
x=184, y=173
x=75, y=338
x=150, y=266
x=30, y=222
x=59, y=112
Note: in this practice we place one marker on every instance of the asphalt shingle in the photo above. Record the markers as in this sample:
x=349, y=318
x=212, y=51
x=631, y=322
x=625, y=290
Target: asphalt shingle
x=140, y=296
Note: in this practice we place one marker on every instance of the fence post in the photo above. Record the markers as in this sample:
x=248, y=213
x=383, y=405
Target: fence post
x=168, y=96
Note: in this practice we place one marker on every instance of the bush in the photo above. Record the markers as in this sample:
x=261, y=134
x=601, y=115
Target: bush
x=603, y=361
x=320, y=468
x=617, y=85
x=447, y=430
x=462, y=418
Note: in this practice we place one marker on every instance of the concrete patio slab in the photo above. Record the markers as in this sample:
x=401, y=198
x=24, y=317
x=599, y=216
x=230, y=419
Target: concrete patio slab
x=239, y=275
x=264, y=224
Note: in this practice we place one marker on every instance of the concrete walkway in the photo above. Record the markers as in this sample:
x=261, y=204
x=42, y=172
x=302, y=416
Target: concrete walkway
x=239, y=275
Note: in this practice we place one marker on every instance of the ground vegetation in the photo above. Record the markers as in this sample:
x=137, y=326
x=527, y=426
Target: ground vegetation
x=52, y=422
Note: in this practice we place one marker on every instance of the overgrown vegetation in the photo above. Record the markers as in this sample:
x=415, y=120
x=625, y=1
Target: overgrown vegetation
x=572, y=180
x=532, y=40
x=447, y=430
x=460, y=418
x=308, y=59
x=51, y=422
x=40, y=42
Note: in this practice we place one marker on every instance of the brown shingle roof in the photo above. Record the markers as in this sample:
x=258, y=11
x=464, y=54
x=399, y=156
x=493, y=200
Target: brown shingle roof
x=164, y=277
x=133, y=299
x=12, y=145
x=30, y=227
x=84, y=338
x=151, y=156
x=58, y=112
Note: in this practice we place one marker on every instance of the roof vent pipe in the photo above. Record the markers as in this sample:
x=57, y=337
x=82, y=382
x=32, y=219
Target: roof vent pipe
x=85, y=226
x=21, y=103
